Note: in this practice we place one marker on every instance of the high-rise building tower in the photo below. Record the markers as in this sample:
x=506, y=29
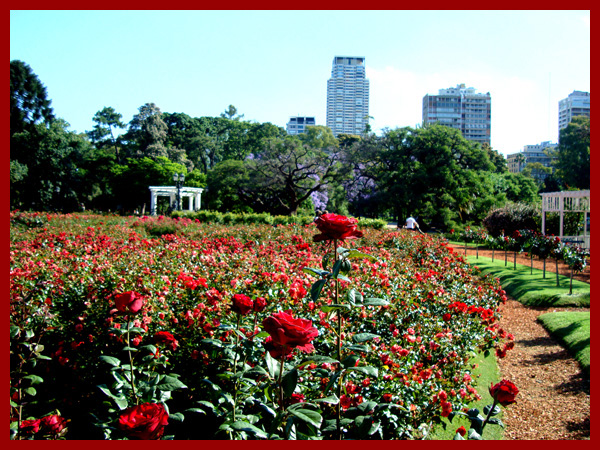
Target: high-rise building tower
x=576, y=104
x=297, y=125
x=462, y=108
x=348, y=96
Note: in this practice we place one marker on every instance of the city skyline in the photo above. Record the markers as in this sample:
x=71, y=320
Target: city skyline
x=199, y=62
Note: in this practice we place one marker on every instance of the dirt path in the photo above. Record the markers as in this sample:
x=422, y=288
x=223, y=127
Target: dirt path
x=554, y=398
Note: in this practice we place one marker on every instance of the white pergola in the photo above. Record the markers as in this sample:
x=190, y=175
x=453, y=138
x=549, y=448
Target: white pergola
x=194, y=195
x=568, y=201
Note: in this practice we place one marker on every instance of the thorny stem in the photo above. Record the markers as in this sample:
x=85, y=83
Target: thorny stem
x=137, y=400
x=339, y=346
x=237, y=348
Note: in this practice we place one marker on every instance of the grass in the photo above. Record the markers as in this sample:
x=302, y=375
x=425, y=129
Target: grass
x=572, y=329
x=486, y=372
x=529, y=287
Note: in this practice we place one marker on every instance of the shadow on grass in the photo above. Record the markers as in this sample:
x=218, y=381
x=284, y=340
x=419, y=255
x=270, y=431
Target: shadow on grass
x=530, y=287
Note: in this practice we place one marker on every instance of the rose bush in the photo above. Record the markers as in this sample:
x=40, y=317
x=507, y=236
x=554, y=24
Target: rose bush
x=70, y=350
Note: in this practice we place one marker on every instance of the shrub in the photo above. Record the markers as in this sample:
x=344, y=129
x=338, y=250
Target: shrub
x=512, y=217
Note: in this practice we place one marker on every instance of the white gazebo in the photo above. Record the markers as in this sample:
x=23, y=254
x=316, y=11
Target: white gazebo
x=194, y=195
x=568, y=201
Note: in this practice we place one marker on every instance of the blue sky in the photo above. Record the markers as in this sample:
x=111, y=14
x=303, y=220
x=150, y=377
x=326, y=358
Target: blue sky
x=275, y=64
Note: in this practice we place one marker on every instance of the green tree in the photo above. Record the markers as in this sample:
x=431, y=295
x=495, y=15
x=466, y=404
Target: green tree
x=132, y=180
x=496, y=158
x=232, y=114
x=319, y=136
x=573, y=151
x=45, y=174
x=107, y=119
x=147, y=133
x=29, y=102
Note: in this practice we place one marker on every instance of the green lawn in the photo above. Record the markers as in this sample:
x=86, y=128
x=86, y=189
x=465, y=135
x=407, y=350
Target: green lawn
x=572, y=329
x=533, y=289
x=485, y=373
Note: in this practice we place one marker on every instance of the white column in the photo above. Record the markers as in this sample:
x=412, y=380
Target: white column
x=152, y=203
x=190, y=202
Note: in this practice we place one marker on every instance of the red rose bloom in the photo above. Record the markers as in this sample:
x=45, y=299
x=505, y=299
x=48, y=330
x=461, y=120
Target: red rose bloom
x=276, y=350
x=462, y=431
x=333, y=226
x=260, y=304
x=504, y=392
x=30, y=426
x=164, y=337
x=129, y=302
x=242, y=304
x=145, y=421
x=53, y=424
x=290, y=332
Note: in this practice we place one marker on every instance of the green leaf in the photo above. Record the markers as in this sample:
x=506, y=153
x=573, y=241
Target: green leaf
x=14, y=332
x=474, y=435
x=34, y=379
x=350, y=361
x=375, y=302
x=316, y=288
x=115, y=362
x=30, y=391
x=336, y=268
x=333, y=307
x=364, y=337
x=129, y=349
x=317, y=272
x=289, y=382
x=262, y=334
x=170, y=383
x=369, y=370
x=353, y=297
x=356, y=254
x=496, y=421
x=495, y=412
x=307, y=415
x=177, y=417
x=273, y=365
x=213, y=342
x=332, y=399
x=247, y=427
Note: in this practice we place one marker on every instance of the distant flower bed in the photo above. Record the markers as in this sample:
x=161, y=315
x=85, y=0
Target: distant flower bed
x=240, y=332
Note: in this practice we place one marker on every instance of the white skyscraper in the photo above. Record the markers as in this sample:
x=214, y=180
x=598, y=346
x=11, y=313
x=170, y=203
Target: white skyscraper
x=576, y=104
x=348, y=96
x=461, y=108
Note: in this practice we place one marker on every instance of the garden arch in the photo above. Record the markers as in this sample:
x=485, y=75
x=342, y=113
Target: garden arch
x=568, y=201
x=194, y=195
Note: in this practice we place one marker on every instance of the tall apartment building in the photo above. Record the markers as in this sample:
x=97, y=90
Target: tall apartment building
x=576, y=104
x=348, y=96
x=297, y=125
x=461, y=108
x=516, y=162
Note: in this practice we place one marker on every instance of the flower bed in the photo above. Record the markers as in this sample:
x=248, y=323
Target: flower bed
x=118, y=334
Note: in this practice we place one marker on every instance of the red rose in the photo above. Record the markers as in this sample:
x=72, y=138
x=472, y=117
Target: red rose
x=260, y=304
x=462, y=431
x=242, y=304
x=129, y=302
x=290, y=332
x=53, y=424
x=504, y=392
x=164, y=337
x=30, y=426
x=276, y=350
x=333, y=226
x=145, y=421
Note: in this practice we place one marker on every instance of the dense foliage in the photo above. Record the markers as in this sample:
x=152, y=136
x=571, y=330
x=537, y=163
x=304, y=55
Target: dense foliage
x=118, y=334
x=430, y=172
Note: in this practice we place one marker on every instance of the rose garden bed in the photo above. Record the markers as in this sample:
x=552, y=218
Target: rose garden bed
x=245, y=332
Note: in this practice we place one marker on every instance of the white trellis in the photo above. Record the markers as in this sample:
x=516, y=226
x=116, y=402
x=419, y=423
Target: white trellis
x=193, y=194
x=568, y=201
